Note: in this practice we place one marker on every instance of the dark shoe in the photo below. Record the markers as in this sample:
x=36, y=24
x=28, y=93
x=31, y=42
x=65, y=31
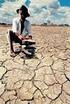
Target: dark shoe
x=18, y=50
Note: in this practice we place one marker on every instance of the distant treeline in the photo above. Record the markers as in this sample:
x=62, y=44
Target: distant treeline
x=51, y=24
x=4, y=24
x=44, y=24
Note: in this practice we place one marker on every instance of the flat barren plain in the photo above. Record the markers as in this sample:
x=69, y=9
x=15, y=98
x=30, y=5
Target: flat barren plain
x=43, y=79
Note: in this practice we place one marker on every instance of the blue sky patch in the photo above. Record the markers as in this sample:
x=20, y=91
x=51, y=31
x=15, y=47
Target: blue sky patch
x=65, y=3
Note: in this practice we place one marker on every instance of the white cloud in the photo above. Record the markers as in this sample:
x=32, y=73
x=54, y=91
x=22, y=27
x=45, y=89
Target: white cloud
x=43, y=9
x=49, y=10
x=53, y=4
x=8, y=10
x=40, y=10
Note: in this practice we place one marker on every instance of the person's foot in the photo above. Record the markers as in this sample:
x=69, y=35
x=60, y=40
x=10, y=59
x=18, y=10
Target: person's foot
x=22, y=55
x=12, y=54
x=17, y=51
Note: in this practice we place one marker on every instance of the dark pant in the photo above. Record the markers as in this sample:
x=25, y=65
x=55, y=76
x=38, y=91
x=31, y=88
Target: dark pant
x=13, y=38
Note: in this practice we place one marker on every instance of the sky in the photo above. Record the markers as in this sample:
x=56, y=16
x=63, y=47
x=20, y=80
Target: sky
x=65, y=2
x=41, y=11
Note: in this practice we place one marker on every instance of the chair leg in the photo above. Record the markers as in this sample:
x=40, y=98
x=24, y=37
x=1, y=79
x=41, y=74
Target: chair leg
x=26, y=51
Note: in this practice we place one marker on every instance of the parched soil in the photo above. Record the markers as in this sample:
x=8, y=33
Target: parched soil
x=43, y=79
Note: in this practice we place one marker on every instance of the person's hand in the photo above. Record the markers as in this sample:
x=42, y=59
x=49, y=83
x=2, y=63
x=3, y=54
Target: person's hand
x=20, y=37
x=24, y=37
x=28, y=37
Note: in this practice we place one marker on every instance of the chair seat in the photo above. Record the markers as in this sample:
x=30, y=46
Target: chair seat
x=28, y=42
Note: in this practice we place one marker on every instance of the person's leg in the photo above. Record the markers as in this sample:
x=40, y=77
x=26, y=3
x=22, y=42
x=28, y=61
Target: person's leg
x=13, y=38
x=11, y=35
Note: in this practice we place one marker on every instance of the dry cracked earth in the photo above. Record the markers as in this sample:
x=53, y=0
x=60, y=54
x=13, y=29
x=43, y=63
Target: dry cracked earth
x=43, y=79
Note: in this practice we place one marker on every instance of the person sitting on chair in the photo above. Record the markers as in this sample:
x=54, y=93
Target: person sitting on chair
x=21, y=29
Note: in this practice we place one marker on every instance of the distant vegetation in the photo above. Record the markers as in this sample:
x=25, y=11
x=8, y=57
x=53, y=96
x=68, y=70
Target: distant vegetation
x=49, y=23
x=4, y=24
x=44, y=24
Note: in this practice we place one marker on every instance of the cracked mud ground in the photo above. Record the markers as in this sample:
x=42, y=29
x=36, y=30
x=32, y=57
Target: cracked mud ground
x=44, y=79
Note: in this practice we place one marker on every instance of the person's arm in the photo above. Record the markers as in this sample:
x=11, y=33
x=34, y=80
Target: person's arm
x=29, y=31
x=14, y=29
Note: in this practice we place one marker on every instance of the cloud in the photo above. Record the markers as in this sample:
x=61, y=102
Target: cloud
x=53, y=4
x=40, y=10
x=65, y=12
x=8, y=10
